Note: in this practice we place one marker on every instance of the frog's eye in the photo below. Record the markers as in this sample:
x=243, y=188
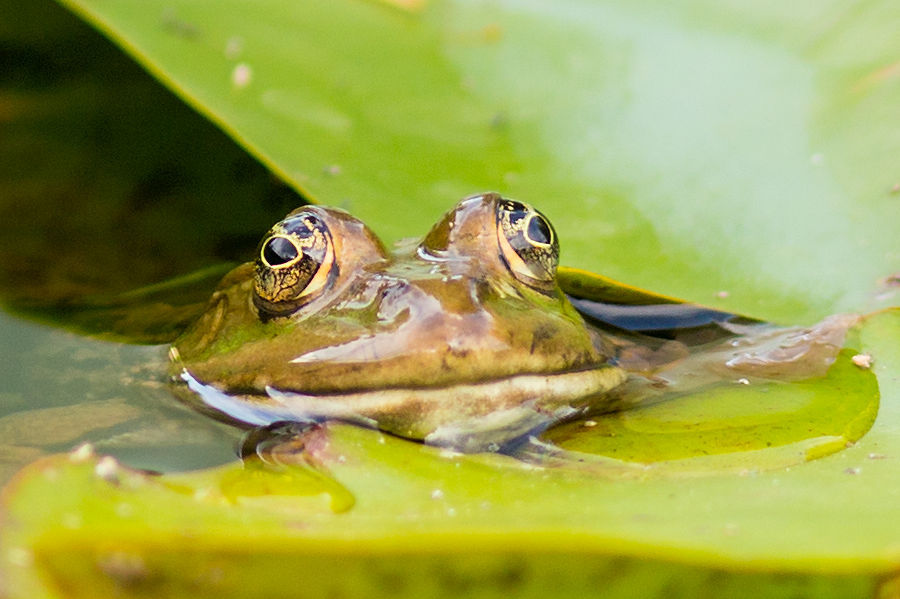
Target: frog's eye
x=295, y=261
x=527, y=243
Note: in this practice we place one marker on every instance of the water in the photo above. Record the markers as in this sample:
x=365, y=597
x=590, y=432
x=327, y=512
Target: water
x=60, y=390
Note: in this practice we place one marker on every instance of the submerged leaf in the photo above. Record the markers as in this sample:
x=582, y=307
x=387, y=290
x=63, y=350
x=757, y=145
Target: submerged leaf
x=804, y=419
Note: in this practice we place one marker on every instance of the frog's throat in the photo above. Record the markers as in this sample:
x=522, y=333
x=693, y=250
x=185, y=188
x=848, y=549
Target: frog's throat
x=417, y=412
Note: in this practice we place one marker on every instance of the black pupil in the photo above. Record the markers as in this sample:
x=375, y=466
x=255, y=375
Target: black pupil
x=539, y=230
x=279, y=251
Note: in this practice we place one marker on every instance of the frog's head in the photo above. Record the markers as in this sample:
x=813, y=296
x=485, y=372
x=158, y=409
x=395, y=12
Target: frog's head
x=468, y=325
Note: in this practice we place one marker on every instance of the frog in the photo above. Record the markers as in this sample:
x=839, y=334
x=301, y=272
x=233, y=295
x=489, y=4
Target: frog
x=461, y=339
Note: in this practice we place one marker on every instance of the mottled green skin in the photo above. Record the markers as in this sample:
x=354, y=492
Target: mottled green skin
x=444, y=312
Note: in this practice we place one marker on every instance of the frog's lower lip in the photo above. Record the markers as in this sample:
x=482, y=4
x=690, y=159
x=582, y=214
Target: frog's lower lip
x=436, y=406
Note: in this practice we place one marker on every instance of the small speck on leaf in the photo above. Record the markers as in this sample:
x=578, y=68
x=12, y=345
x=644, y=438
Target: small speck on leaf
x=107, y=469
x=19, y=556
x=233, y=47
x=125, y=568
x=82, y=453
x=177, y=26
x=863, y=361
x=241, y=75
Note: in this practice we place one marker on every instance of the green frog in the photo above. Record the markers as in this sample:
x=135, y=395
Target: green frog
x=462, y=339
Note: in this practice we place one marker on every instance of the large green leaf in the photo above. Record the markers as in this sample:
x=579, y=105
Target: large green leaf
x=735, y=153
x=480, y=525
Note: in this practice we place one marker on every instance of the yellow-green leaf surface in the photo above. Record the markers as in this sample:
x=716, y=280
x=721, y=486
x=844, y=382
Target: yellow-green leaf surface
x=431, y=523
x=731, y=153
x=737, y=422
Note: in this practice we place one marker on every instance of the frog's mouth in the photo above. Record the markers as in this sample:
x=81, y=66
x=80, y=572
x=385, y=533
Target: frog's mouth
x=428, y=413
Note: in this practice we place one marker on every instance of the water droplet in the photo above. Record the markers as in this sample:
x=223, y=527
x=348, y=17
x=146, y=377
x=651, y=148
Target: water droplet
x=437, y=494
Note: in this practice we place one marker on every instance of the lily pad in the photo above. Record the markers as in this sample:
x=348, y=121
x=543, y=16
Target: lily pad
x=733, y=154
x=488, y=524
